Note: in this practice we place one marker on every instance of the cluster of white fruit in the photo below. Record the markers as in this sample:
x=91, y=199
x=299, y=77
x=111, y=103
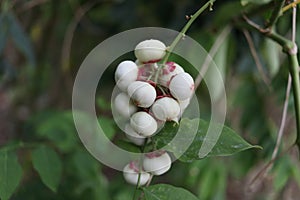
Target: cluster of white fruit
x=151, y=94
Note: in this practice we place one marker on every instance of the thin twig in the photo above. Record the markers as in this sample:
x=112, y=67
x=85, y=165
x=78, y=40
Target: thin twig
x=283, y=119
x=287, y=45
x=253, y=24
x=291, y=5
x=149, y=181
x=276, y=12
x=256, y=58
x=212, y=52
x=67, y=43
x=294, y=22
x=182, y=33
x=262, y=174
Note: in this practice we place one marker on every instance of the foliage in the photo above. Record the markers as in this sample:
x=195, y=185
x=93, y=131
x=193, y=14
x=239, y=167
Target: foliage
x=227, y=144
x=41, y=156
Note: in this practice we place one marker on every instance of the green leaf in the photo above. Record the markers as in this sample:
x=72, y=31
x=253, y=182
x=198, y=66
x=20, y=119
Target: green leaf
x=84, y=165
x=245, y=2
x=87, y=171
x=103, y=103
x=212, y=173
x=282, y=172
x=49, y=166
x=128, y=146
x=227, y=144
x=10, y=173
x=59, y=128
x=208, y=180
x=166, y=192
x=108, y=126
x=296, y=173
x=20, y=38
x=270, y=52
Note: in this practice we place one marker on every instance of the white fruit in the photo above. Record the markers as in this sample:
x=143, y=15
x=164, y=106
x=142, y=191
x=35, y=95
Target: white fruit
x=146, y=71
x=183, y=105
x=182, y=86
x=150, y=51
x=133, y=136
x=157, y=163
x=167, y=72
x=126, y=73
x=138, y=63
x=142, y=93
x=143, y=123
x=124, y=106
x=131, y=174
x=165, y=109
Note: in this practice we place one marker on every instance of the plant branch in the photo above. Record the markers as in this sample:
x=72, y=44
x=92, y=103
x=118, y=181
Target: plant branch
x=140, y=169
x=256, y=58
x=260, y=176
x=291, y=49
x=287, y=45
x=181, y=35
x=291, y=5
x=283, y=118
x=277, y=11
x=294, y=70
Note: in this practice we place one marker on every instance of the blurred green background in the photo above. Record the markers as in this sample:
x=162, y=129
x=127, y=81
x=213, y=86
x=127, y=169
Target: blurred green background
x=42, y=45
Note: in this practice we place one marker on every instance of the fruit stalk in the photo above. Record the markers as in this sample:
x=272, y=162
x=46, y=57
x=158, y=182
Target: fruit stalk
x=192, y=18
x=140, y=166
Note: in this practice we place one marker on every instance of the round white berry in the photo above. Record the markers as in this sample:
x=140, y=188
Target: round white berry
x=143, y=123
x=167, y=72
x=182, y=86
x=146, y=71
x=124, y=106
x=138, y=63
x=183, y=105
x=150, y=51
x=133, y=136
x=126, y=73
x=165, y=108
x=142, y=93
x=157, y=163
x=131, y=174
